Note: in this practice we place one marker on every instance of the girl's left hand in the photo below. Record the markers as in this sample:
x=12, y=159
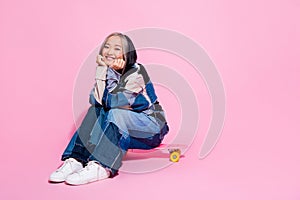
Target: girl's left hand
x=118, y=64
x=100, y=61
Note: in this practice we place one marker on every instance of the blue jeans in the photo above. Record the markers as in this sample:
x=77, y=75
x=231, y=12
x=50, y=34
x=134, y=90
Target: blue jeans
x=105, y=136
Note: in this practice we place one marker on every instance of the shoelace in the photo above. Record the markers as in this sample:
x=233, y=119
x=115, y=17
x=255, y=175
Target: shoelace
x=63, y=167
x=88, y=167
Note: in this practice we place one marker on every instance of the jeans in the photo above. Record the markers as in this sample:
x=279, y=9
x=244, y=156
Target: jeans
x=105, y=136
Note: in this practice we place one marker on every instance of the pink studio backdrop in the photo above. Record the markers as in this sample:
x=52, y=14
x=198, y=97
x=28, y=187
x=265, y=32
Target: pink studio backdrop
x=255, y=47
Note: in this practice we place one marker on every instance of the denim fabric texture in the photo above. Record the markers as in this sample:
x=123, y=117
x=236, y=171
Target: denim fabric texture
x=105, y=136
x=107, y=132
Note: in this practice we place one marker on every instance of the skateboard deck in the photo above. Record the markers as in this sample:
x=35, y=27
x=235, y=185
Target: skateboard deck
x=173, y=150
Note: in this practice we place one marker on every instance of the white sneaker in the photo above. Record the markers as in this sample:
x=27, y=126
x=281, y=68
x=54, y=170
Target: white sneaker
x=92, y=172
x=69, y=166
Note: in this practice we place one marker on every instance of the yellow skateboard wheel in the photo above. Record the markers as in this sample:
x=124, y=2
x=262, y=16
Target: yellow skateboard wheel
x=174, y=156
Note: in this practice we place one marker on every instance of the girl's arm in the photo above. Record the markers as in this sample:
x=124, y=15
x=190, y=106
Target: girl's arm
x=101, y=71
x=134, y=91
x=100, y=82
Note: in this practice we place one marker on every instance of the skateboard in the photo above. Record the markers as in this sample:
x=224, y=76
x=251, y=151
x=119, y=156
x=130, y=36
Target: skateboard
x=173, y=149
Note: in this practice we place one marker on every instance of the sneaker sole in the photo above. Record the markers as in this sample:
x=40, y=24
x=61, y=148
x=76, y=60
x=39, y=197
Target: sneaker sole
x=82, y=183
x=53, y=179
x=56, y=181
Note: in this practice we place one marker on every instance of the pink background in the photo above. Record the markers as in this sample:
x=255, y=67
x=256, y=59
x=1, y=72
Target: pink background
x=255, y=46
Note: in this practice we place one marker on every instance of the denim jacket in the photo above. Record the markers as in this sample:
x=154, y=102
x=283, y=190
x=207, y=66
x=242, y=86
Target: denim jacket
x=133, y=90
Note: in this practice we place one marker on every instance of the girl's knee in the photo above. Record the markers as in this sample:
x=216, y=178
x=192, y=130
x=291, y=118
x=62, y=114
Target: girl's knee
x=116, y=114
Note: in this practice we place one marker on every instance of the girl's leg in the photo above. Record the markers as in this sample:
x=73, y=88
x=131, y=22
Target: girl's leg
x=107, y=151
x=124, y=129
x=78, y=147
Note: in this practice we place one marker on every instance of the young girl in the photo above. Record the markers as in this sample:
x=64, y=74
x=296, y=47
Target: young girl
x=124, y=114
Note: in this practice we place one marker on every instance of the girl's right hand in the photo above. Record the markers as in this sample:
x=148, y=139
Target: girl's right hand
x=118, y=64
x=99, y=60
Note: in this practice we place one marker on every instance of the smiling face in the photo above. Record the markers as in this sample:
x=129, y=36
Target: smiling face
x=112, y=49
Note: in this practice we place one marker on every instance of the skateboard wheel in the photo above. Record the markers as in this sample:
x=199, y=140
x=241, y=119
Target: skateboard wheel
x=174, y=156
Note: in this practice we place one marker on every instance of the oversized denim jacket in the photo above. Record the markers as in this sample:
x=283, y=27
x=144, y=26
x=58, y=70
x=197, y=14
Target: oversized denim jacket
x=133, y=90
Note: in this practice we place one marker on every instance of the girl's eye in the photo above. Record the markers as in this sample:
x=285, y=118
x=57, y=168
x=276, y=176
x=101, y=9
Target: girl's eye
x=117, y=49
x=106, y=46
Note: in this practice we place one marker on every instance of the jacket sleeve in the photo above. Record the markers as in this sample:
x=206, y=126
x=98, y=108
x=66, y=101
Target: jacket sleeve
x=100, y=78
x=131, y=92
